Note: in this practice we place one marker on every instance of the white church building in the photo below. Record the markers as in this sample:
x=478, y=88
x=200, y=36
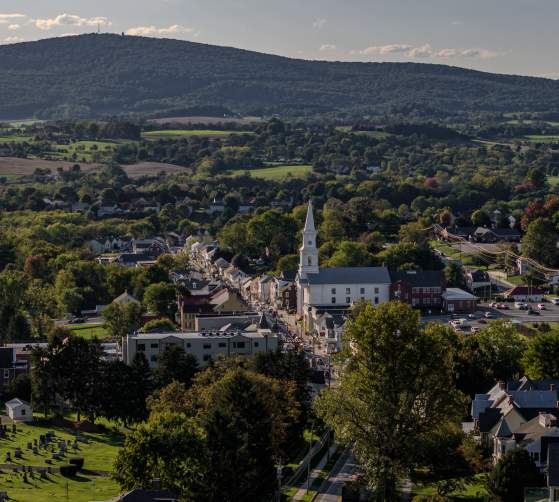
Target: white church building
x=333, y=289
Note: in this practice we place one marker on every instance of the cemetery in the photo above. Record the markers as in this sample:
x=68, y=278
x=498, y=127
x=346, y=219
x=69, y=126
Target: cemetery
x=40, y=461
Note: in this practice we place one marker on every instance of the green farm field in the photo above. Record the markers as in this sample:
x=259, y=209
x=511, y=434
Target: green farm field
x=276, y=173
x=178, y=133
x=540, y=138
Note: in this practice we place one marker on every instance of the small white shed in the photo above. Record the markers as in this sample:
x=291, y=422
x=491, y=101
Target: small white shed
x=19, y=410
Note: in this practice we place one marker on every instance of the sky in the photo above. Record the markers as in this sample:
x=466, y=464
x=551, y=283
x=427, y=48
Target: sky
x=502, y=36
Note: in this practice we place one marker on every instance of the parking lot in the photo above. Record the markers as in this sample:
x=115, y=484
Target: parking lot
x=549, y=314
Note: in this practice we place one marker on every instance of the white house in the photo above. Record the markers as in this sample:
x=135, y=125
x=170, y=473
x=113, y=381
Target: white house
x=19, y=410
x=334, y=287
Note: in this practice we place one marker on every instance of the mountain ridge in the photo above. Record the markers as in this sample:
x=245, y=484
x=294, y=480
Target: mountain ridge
x=97, y=74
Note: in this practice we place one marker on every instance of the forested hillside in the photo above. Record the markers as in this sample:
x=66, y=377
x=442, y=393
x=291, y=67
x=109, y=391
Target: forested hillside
x=92, y=75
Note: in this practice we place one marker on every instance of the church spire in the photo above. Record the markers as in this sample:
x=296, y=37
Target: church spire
x=308, y=253
x=309, y=222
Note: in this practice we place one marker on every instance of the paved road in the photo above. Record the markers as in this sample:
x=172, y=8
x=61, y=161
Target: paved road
x=331, y=489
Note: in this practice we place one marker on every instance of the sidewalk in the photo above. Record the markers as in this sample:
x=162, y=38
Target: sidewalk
x=314, y=473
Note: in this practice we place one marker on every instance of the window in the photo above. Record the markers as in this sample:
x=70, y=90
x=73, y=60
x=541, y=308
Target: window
x=240, y=345
x=207, y=346
x=188, y=345
x=376, y=300
x=310, y=243
x=23, y=410
x=536, y=456
x=347, y=291
x=256, y=344
x=207, y=357
x=333, y=291
x=333, y=299
x=141, y=347
x=154, y=345
x=153, y=358
x=347, y=299
x=222, y=345
x=376, y=291
x=6, y=374
x=309, y=261
x=362, y=291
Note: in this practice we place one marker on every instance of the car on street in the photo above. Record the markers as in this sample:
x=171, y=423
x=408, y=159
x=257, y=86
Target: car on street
x=488, y=315
x=471, y=316
x=502, y=306
x=555, y=301
x=521, y=306
x=475, y=329
x=77, y=320
x=533, y=312
x=541, y=306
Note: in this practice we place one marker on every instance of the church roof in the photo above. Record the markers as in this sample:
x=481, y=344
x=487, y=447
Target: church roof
x=350, y=275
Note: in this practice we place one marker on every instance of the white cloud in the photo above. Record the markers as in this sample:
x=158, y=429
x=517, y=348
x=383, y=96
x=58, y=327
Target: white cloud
x=319, y=23
x=9, y=18
x=327, y=47
x=14, y=27
x=70, y=20
x=175, y=29
x=384, y=49
x=11, y=40
x=425, y=51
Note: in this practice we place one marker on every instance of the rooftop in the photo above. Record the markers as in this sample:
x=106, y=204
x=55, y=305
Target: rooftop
x=350, y=275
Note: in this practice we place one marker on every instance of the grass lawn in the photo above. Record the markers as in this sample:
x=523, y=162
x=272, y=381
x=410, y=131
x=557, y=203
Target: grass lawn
x=473, y=491
x=275, y=173
x=90, y=330
x=540, y=138
x=173, y=133
x=99, y=455
x=58, y=488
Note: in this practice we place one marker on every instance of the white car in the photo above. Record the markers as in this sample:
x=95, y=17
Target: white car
x=475, y=329
x=555, y=301
x=488, y=315
x=541, y=306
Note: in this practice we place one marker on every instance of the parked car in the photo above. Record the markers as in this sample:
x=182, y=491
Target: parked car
x=541, y=306
x=521, y=306
x=488, y=315
x=475, y=329
x=77, y=320
x=471, y=316
x=533, y=312
x=555, y=301
x=503, y=306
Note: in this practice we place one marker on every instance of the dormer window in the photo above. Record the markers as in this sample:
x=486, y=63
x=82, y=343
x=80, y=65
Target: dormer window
x=310, y=243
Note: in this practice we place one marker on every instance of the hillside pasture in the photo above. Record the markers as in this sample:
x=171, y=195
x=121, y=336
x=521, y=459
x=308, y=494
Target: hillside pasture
x=154, y=168
x=203, y=120
x=542, y=138
x=14, y=167
x=276, y=173
x=180, y=133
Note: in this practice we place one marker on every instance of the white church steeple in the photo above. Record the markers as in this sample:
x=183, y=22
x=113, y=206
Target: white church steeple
x=308, y=253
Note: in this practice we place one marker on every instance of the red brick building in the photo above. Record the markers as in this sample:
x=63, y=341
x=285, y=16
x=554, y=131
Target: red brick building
x=420, y=289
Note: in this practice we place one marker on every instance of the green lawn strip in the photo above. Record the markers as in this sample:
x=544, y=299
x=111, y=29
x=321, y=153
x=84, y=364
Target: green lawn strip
x=90, y=330
x=542, y=138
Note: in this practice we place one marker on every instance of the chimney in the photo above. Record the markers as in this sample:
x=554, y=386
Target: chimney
x=502, y=385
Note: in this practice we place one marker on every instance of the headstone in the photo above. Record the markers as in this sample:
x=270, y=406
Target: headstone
x=14, y=428
x=55, y=456
x=29, y=445
x=43, y=473
x=8, y=456
x=35, y=442
x=35, y=450
x=75, y=446
x=17, y=453
x=48, y=461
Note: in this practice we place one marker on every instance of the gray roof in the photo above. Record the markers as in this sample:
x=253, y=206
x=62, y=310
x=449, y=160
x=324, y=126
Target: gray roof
x=503, y=431
x=350, y=275
x=419, y=278
x=535, y=398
